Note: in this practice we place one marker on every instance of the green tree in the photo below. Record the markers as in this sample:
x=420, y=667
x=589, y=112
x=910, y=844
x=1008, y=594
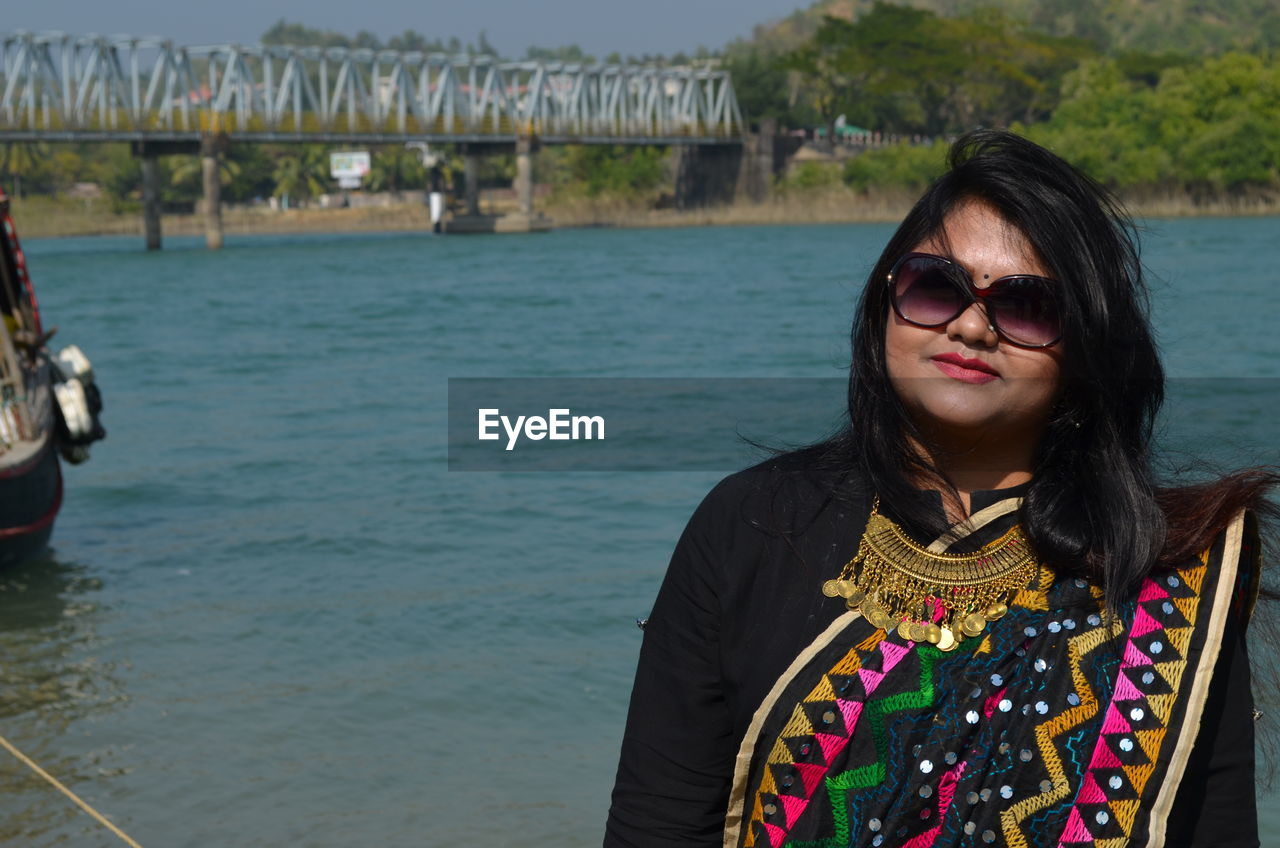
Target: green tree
x=301, y=172
x=910, y=70
x=833, y=70
x=186, y=176
x=21, y=160
x=760, y=83
x=395, y=168
x=601, y=169
x=570, y=53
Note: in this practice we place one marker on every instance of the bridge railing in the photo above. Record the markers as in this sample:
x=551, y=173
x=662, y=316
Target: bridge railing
x=58, y=86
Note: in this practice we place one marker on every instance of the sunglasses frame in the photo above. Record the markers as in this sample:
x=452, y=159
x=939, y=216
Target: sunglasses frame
x=972, y=294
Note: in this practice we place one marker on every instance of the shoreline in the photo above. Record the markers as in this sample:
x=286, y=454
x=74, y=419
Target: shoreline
x=54, y=218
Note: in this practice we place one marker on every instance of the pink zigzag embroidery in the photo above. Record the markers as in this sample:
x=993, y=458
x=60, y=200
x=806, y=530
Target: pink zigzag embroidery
x=1103, y=757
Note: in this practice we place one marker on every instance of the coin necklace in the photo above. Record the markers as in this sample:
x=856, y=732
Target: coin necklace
x=929, y=597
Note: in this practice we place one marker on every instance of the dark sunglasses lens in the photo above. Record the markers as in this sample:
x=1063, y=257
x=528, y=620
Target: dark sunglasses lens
x=925, y=292
x=1026, y=311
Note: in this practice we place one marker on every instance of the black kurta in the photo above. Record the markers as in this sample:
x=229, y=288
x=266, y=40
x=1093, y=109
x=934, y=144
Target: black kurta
x=741, y=599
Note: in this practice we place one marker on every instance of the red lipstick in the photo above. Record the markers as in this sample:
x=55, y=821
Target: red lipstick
x=965, y=370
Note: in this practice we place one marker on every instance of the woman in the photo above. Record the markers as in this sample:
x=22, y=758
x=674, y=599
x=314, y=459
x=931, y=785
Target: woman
x=971, y=618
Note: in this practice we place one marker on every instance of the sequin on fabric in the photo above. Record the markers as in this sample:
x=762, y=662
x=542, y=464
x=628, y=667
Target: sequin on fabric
x=1136, y=725
x=1044, y=732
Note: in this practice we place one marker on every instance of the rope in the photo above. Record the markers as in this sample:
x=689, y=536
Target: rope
x=65, y=791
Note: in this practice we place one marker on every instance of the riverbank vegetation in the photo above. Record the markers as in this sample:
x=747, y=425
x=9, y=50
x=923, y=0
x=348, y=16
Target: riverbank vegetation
x=1174, y=105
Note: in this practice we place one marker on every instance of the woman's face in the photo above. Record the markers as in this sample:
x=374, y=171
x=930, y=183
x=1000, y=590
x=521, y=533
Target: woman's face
x=963, y=385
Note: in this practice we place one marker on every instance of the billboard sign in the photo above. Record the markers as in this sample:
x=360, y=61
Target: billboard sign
x=351, y=165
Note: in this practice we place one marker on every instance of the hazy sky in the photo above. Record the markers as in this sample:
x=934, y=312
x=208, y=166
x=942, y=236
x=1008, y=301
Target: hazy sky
x=598, y=26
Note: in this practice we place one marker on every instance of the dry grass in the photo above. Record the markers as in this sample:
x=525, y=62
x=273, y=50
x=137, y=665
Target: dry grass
x=43, y=217
x=826, y=206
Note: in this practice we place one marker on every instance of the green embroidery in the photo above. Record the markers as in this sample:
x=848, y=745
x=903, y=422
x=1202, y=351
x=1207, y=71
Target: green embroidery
x=839, y=786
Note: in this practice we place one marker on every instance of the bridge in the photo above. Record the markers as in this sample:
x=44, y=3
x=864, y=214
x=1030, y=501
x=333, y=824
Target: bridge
x=60, y=87
x=168, y=99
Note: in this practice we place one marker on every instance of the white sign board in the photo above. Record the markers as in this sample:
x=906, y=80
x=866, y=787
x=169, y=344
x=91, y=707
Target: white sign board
x=350, y=165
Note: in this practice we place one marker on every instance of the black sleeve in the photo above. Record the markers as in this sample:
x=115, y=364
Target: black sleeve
x=677, y=751
x=1216, y=804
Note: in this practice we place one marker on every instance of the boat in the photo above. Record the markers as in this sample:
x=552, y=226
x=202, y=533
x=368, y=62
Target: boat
x=49, y=408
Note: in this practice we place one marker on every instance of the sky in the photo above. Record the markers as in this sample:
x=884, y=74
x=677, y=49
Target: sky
x=633, y=27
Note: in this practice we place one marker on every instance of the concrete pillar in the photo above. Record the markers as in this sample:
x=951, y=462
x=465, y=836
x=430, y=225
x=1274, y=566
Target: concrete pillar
x=706, y=174
x=210, y=159
x=524, y=174
x=471, y=176
x=151, y=199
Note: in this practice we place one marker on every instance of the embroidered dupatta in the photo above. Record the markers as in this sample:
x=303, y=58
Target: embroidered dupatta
x=1054, y=728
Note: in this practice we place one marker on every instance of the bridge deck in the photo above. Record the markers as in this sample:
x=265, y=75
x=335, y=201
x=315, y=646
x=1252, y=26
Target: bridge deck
x=58, y=87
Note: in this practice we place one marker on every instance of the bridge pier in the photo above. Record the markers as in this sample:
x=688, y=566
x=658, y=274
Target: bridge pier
x=150, y=152
x=151, y=199
x=707, y=174
x=210, y=166
x=524, y=174
x=755, y=181
x=471, y=181
x=525, y=219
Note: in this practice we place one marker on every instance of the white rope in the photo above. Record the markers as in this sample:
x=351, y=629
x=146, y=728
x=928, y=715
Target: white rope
x=65, y=791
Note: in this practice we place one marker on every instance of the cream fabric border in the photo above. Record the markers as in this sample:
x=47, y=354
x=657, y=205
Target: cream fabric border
x=974, y=523
x=1200, y=685
x=742, y=764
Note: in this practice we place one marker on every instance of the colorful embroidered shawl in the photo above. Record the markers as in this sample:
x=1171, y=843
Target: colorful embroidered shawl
x=1052, y=729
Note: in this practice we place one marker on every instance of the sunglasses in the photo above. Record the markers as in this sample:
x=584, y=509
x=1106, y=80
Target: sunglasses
x=929, y=291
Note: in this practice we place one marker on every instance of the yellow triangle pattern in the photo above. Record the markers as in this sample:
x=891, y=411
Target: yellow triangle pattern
x=1171, y=671
x=1139, y=775
x=780, y=753
x=799, y=724
x=1194, y=576
x=1161, y=705
x=1187, y=606
x=1126, y=812
x=1150, y=741
x=823, y=691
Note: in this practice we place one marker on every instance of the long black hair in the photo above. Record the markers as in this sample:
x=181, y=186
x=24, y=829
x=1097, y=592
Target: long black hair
x=1093, y=506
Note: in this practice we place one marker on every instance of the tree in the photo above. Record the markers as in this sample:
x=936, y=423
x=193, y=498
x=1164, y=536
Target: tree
x=832, y=68
x=301, y=172
x=760, y=82
x=21, y=159
x=394, y=167
x=569, y=53
x=186, y=175
x=909, y=70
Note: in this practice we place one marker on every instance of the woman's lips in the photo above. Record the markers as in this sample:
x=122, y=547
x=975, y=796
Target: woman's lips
x=965, y=370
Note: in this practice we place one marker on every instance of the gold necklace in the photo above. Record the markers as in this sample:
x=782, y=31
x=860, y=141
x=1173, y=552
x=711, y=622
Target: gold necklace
x=929, y=597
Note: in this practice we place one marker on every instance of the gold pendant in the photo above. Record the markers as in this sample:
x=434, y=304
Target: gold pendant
x=898, y=585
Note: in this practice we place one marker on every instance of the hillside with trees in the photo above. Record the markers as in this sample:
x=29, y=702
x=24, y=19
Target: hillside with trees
x=1154, y=26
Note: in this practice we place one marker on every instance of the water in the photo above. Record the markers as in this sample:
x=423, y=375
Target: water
x=272, y=616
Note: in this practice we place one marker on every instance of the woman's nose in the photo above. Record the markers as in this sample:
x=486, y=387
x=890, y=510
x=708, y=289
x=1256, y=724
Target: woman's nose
x=972, y=326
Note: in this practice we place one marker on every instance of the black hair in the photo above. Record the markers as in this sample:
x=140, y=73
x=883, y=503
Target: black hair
x=1092, y=506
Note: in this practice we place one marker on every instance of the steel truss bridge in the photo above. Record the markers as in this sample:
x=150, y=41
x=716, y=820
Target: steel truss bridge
x=59, y=87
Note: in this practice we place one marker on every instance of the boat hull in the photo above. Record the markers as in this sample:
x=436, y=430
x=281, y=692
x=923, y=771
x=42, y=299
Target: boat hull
x=30, y=495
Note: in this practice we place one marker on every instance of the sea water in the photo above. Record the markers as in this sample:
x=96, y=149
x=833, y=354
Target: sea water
x=272, y=615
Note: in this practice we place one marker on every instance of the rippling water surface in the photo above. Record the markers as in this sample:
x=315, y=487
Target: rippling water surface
x=272, y=617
